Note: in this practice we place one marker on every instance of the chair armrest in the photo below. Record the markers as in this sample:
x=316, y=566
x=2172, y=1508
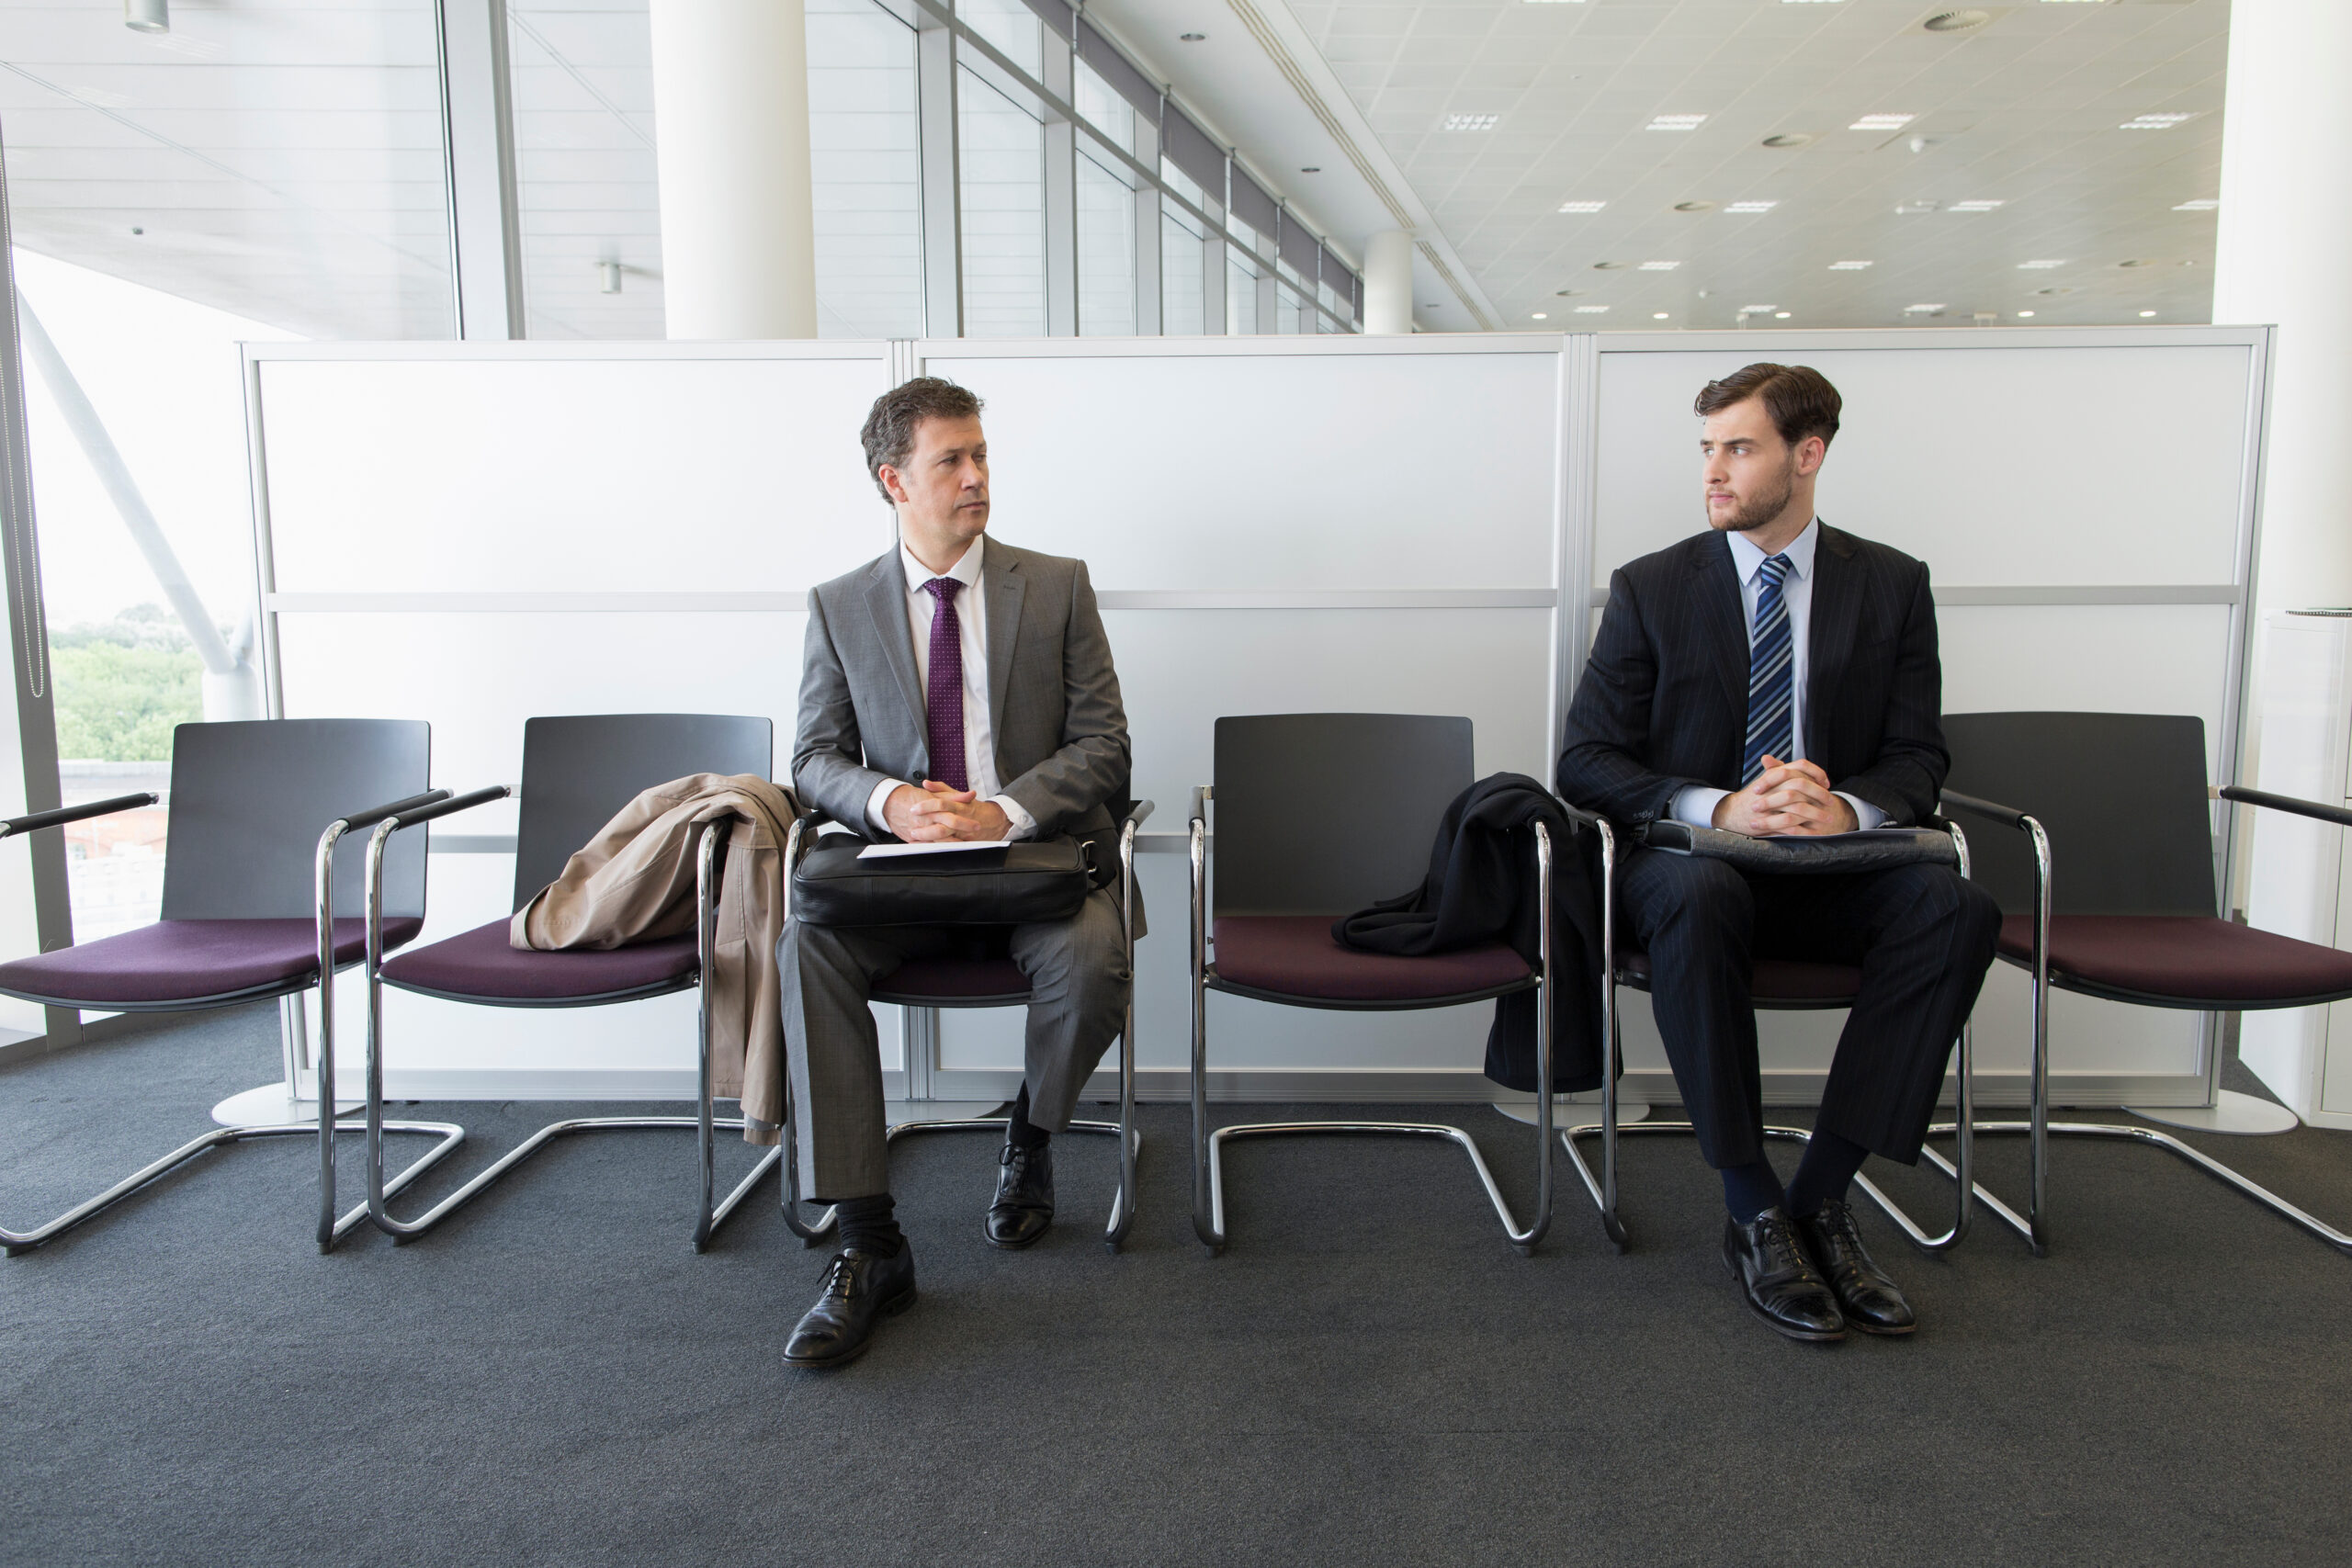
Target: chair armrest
x=2311, y=808
x=1137, y=813
x=2006, y=815
x=82, y=813
x=1202, y=795
x=357, y=820
x=447, y=806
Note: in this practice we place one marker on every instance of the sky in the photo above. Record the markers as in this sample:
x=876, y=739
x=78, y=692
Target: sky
x=166, y=377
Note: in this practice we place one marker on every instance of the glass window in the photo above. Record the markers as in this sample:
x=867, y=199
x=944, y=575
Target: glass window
x=1286, y=312
x=1181, y=255
x=257, y=173
x=1103, y=108
x=1001, y=155
x=1106, y=251
x=865, y=168
x=1240, y=299
x=1010, y=25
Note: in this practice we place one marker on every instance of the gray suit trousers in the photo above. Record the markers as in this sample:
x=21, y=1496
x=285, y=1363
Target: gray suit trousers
x=1079, y=981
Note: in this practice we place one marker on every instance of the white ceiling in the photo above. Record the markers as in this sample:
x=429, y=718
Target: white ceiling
x=296, y=176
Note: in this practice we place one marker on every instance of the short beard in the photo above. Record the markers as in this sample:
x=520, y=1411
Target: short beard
x=1756, y=511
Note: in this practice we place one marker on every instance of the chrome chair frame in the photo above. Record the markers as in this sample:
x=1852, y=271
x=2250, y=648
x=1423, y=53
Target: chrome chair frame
x=331, y=1228
x=1123, y=1202
x=1603, y=1188
x=709, y=1217
x=2037, y=1128
x=1208, y=1147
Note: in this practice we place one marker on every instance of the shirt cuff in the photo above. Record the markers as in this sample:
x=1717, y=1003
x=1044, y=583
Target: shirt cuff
x=1695, y=803
x=1866, y=816
x=1023, y=825
x=874, y=804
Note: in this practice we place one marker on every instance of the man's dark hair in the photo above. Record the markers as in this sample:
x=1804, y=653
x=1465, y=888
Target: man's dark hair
x=1799, y=398
x=890, y=424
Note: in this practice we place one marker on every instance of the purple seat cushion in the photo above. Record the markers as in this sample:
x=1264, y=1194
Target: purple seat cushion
x=1789, y=981
x=954, y=979
x=2194, y=957
x=190, y=961
x=482, y=962
x=1294, y=955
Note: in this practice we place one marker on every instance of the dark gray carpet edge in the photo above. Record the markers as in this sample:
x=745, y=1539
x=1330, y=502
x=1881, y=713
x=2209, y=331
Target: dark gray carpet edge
x=1369, y=1375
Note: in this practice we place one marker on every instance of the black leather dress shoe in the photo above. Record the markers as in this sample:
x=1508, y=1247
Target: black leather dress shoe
x=1778, y=1279
x=860, y=1289
x=1024, y=1197
x=1870, y=1302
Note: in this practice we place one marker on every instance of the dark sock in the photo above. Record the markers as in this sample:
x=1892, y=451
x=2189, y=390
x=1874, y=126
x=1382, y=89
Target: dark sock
x=1750, y=1190
x=1017, y=1130
x=1828, y=1166
x=866, y=1226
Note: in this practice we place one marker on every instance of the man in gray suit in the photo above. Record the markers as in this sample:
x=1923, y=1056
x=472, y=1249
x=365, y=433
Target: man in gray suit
x=955, y=688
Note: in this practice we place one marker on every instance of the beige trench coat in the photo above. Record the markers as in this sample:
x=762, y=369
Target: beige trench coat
x=635, y=882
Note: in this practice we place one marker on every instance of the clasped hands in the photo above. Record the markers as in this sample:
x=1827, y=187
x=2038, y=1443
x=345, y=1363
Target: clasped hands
x=935, y=813
x=1786, y=797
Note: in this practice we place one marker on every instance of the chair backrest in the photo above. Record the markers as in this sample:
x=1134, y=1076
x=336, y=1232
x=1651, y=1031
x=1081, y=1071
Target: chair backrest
x=580, y=770
x=251, y=797
x=2121, y=796
x=1324, y=813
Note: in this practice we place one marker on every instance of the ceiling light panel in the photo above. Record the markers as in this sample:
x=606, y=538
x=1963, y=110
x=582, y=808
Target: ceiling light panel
x=1471, y=121
x=1582, y=205
x=2155, y=121
x=1591, y=310
x=1675, y=122
x=1751, y=207
x=2202, y=204
x=2043, y=265
x=1978, y=204
x=1660, y=265
x=1883, y=122
x=1848, y=266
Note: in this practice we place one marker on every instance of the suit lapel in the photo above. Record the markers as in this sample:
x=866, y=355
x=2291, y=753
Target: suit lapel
x=1004, y=583
x=1722, y=623
x=885, y=597
x=1837, y=612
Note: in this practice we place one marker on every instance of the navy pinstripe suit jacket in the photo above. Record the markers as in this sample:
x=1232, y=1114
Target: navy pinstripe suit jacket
x=1664, y=700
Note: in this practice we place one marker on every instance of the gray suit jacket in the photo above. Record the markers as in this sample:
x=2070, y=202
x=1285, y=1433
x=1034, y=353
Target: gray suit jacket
x=1061, y=734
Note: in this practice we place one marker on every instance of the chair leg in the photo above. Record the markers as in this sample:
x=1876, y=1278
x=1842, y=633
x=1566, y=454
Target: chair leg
x=1130, y=1145
x=449, y=1134
x=1960, y=1169
x=1604, y=1194
x=1523, y=1239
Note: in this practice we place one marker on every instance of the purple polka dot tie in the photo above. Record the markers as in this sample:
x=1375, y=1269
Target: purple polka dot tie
x=943, y=705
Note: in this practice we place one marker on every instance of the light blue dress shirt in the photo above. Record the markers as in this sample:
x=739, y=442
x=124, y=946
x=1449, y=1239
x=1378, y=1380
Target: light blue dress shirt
x=1695, y=803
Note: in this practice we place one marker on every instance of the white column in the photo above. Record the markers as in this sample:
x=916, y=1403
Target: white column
x=2283, y=258
x=1388, y=282
x=731, y=99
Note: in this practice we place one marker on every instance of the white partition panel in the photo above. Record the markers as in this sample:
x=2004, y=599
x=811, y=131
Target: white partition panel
x=2086, y=502
x=474, y=534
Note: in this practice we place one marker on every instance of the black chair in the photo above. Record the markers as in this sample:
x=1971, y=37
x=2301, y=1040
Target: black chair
x=250, y=889
x=988, y=978
x=1777, y=985
x=2120, y=801
x=578, y=772
x=1285, y=872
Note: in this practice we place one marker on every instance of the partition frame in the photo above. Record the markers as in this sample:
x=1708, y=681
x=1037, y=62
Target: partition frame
x=1569, y=600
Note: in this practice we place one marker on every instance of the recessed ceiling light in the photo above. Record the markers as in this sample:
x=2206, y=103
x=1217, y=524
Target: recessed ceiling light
x=1961, y=21
x=1471, y=121
x=1902, y=207
x=1751, y=207
x=2202, y=204
x=1779, y=315
x=1848, y=266
x=1676, y=121
x=1978, y=204
x=1923, y=309
x=2025, y=314
x=1541, y=316
x=1191, y=38
x=1658, y=315
x=2145, y=314
x=1660, y=265
x=1757, y=310
x=1582, y=205
x=1611, y=267
x=2154, y=121
x=2043, y=265
x=1591, y=310
x=1789, y=139
x=1694, y=206
x=1883, y=122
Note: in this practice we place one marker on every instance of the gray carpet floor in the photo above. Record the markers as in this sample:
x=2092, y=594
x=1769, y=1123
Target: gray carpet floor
x=1369, y=1375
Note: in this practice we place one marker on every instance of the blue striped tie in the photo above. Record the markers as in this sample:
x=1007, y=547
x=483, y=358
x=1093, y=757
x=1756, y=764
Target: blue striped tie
x=1772, y=674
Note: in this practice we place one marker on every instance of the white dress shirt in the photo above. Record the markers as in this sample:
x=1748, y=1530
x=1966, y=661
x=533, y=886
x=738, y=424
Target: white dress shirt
x=979, y=739
x=1695, y=803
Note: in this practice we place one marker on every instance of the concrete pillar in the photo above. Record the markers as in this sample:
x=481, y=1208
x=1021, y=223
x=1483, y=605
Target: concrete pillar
x=2284, y=253
x=1388, y=282
x=731, y=103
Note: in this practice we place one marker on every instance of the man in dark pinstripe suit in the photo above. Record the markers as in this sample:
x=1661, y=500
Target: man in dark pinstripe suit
x=1777, y=676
